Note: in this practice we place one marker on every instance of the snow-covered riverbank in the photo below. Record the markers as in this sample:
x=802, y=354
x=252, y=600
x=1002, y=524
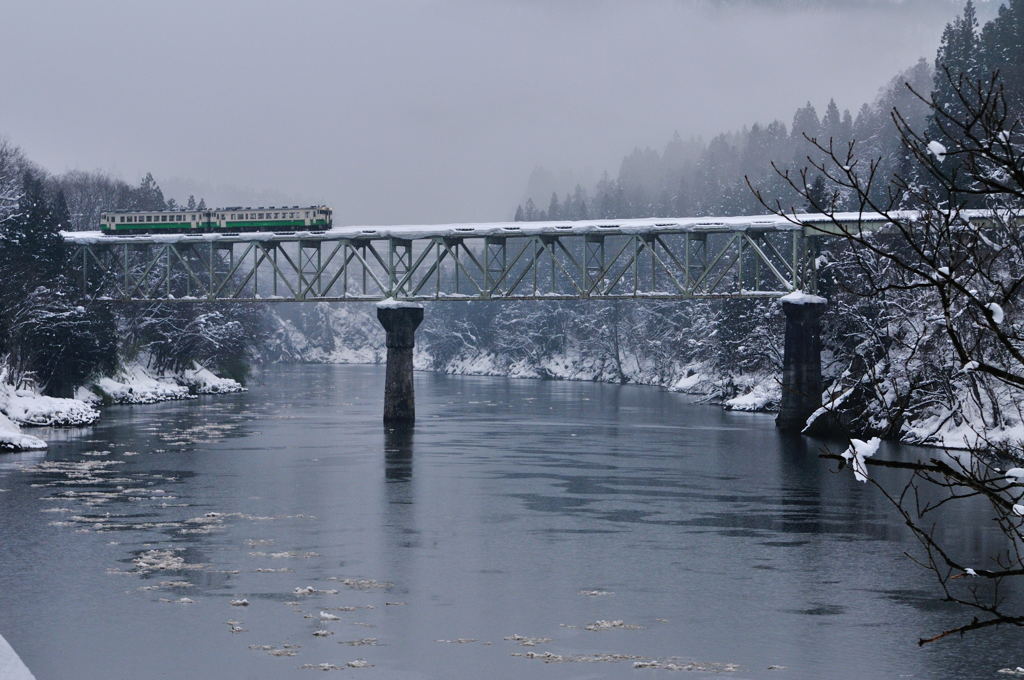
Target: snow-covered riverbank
x=132, y=384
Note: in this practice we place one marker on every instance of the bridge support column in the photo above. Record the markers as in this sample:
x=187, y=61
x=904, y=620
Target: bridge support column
x=400, y=321
x=801, y=363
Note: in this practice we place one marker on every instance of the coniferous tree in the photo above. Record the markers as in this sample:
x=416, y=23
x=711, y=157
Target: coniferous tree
x=50, y=337
x=149, y=195
x=554, y=208
x=956, y=64
x=1001, y=48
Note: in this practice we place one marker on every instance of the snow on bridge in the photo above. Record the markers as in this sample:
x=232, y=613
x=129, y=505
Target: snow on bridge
x=670, y=258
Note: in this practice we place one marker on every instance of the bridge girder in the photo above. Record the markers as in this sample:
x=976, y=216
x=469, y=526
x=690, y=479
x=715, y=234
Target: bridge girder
x=654, y=264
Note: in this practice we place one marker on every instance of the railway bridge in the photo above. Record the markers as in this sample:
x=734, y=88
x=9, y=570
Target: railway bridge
x=401, y=267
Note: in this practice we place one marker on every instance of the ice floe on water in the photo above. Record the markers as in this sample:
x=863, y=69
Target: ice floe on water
x=690, y=666
x=180, y=600
x=527, y=641
x=287, y=649
x=320, y=667
x=669, y=664
x=551, y=657
x=361, y=583
x=611, y=625
x=163, y=560
x=286, y=554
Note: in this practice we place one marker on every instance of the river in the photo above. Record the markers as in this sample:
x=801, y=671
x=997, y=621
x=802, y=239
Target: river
x=506, y=537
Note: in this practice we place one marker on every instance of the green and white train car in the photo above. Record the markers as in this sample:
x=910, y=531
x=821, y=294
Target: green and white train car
x=233, y=220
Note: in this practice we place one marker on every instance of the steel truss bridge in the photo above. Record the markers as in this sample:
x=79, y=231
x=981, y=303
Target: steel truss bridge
x=736, y=257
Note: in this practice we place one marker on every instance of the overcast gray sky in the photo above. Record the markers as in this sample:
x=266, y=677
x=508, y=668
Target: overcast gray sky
x=421, y=111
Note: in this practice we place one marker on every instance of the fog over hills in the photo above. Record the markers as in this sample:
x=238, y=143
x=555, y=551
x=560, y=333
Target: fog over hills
x=412, y=111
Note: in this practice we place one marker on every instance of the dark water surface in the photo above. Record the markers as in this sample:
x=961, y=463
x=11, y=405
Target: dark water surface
x=713, y=538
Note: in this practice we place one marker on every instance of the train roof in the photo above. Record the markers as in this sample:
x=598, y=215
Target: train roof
x=232, y=208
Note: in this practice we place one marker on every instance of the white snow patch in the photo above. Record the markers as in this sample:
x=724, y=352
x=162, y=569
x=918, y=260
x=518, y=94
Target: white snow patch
x=860, y=450
x=766, y=394
x=392, y=303
x=1016, y=474
x=137, y=383
x=203, y=381
x=86, y=395
x=937, y=149
x=798, y=297
x=28, y=408
x=997, y=312
x=11, y=666
x=11, y=439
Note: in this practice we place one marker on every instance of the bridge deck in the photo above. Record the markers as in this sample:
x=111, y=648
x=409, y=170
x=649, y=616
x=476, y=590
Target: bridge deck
x=507, y=229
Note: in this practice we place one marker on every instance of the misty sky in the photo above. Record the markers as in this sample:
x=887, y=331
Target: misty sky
x=420, y=111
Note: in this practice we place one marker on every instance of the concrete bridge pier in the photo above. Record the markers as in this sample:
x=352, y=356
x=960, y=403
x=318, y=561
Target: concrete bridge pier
x=400, y=320
x=801, y=363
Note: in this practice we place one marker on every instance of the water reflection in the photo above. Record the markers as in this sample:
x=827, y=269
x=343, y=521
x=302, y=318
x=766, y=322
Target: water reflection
x=398, y=453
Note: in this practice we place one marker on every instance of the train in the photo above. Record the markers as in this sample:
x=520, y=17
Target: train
x=233, y=219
